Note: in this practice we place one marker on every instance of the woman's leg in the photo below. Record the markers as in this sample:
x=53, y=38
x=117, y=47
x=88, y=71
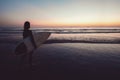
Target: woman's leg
x=22, y=61
x=30, y=59
x=30, y=64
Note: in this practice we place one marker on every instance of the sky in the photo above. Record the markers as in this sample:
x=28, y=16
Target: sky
x=60, y=12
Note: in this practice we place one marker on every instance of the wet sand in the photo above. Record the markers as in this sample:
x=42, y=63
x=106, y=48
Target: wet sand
x=63, y=61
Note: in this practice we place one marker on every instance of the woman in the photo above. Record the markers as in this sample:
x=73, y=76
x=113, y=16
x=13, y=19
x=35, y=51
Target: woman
x=28, y=33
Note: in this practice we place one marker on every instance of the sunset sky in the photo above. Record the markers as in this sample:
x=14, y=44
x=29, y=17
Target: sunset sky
x=60, y=12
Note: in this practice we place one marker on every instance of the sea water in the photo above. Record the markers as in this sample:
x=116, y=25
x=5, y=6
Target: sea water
x=111, y=35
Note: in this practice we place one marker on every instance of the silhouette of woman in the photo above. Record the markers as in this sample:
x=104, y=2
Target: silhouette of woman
x=28, y=33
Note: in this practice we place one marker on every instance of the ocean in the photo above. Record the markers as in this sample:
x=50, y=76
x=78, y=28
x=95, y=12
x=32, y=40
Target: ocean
x=65, y=35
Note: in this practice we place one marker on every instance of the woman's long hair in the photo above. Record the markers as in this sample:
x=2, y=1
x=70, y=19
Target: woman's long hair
x=26, y=25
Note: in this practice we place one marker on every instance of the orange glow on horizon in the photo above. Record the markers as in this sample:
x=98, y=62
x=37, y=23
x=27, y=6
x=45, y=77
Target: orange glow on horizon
x=64, y=24
x=91, y=24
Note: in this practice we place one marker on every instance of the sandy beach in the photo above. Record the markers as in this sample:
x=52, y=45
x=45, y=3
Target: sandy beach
x=62, y=61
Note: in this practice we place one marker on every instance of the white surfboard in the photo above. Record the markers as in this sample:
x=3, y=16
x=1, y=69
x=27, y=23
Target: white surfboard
x=26, y=45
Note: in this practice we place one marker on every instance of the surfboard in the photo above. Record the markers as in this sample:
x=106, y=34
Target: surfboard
x=26, y=45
